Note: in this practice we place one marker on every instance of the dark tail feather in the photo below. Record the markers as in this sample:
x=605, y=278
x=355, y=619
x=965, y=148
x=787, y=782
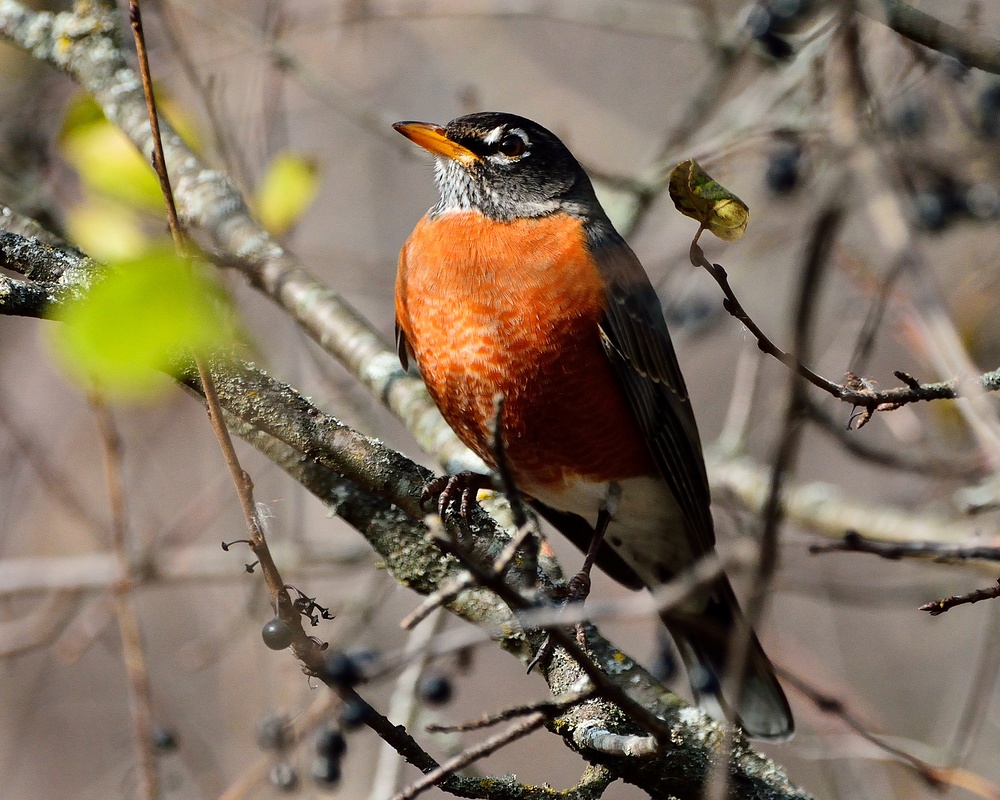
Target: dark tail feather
x=703, y=642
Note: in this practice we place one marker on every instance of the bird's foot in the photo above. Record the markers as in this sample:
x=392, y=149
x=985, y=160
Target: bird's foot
x=543, y=652
x=579, y=587
x=576, y=591
x=456, y=491
x=579, y=590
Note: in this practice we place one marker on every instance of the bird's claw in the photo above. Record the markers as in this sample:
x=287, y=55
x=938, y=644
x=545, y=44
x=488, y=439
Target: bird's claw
x=455, y=490
x=579, y=587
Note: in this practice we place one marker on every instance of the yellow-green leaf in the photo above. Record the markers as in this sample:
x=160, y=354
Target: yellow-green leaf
x=107, y=161
x=109, y=164
x=698, y=196
x=287, y=190
x=106, y=230
x=133, y=325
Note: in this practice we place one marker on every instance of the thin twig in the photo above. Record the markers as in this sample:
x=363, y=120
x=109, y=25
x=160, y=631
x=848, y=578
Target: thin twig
x=241, y=480
x=856, y=391
x=940, y=606
x=899, y=458
x=551, y=707
x=404, y=704
x=306, y=649
x=607, y=688
x=472, y=754
x=973, y=48
x=854, y=542
x=436, y=599
x=935, y=777
x=128, y=621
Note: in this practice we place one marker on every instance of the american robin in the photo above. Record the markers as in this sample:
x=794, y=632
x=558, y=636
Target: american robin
x=516, y=285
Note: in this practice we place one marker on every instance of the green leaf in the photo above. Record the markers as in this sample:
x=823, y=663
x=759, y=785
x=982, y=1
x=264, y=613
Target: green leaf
x=698, y=196
x=106, y=230
x=109, y=164
x=107, y=161
x=286, y=192
x=133, y=325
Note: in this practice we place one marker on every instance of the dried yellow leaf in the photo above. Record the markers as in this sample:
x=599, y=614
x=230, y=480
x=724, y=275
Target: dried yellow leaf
x=697, y=195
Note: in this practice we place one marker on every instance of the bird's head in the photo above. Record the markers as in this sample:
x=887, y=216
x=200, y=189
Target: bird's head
x=504, y=166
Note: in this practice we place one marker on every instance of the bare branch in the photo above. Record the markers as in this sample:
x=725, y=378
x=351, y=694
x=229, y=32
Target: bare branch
x=856, y=391
x=934, y=776
x=472, y=754
x=973, y=48
x=589, y=736
x=940, y=606
x=550, y=707
x=133, y=652
x=853, y=542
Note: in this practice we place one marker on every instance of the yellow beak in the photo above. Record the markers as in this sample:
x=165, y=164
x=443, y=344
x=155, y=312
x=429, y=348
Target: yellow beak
x=434, y=139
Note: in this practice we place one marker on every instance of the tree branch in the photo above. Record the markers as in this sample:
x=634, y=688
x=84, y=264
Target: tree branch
x=972, y=48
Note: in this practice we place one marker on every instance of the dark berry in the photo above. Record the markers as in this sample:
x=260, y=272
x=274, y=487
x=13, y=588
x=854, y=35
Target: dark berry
x=353, y=714
x=326, y=771
x=691, y=313
x=982, y=200
x=777, y=47
x=664, y=668
x=703, y=680
x=340, y=668
x=989, y=111
x=759, y=22
x=284, y=777
x=164, y=740
x=272, y=733
x=436, y=689
x=852, y=538
x=782, y=175
x=931, y=211
x=910, y=120
x=330, y=742
x=277, y=634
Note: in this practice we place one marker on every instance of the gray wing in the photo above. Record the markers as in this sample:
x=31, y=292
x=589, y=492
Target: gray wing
x=636, y=341
x=401, y=347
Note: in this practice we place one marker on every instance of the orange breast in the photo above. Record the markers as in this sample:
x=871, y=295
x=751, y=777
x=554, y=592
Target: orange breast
x=513, y=309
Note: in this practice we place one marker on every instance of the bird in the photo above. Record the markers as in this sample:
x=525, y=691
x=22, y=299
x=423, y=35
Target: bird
x=515, y=285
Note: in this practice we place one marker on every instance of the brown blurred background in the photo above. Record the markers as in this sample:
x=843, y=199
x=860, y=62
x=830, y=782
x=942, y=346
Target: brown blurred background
x=614, y=80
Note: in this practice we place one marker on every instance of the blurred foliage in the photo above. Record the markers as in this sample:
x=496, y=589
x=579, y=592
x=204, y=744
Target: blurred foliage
x=129, y=331
x=287, y=190
x=121, y=194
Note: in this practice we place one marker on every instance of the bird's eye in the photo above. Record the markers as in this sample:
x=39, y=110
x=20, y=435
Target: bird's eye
x=511, y=145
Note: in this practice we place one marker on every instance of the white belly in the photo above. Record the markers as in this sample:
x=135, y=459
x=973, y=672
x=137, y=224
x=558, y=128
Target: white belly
x=646, y=529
